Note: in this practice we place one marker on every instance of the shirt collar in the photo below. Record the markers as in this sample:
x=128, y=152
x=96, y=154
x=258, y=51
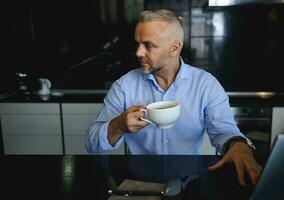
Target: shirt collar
x=183, y=73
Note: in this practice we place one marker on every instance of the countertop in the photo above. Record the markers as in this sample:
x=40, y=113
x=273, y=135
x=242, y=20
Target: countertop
x=58, y=96
x=270, y=99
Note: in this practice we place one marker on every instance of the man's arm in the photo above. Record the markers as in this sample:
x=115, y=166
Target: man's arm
x=114, y=132
x=97, y=134
x=226, y=136
x=219, y=119
x=235, y=139
x=107, y=131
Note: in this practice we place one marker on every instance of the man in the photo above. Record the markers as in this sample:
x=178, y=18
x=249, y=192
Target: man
x=164, y=76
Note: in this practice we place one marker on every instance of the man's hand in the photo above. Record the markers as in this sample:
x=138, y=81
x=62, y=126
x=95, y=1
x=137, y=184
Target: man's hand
x=241, y=155
x=129, y=121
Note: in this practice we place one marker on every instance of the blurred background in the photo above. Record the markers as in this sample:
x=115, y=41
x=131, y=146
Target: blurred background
x=88, y=44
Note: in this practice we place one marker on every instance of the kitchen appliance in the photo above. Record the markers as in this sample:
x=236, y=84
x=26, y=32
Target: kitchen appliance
x=45, y=86
x=22, y=84
x=255, y=122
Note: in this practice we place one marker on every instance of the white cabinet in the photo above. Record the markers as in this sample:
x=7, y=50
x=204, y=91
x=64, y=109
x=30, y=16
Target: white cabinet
x=206, y=147
x=277, y=122
x=31, y=128
x=76, y=120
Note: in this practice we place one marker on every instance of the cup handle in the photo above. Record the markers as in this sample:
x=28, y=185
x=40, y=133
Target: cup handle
x=143, y=119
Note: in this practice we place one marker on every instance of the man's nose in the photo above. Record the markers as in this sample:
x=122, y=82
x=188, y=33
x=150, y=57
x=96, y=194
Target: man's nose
x=140, y=51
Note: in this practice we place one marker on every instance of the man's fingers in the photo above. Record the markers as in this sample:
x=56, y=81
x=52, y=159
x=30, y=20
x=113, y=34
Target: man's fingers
x=240, y=168
x=254, y=173
x=136, y=112
x=217, y=166
x=139, y=114
x=135, y=108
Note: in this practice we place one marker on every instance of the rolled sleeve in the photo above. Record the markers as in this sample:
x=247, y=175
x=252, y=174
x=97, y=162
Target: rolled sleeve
x=105, y=145
x=97, y=133
x=97, y=142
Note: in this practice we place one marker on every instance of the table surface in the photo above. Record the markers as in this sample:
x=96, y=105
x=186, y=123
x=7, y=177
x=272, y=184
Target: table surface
x=82, y=177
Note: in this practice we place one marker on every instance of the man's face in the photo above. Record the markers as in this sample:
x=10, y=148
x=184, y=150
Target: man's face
x=153, y=45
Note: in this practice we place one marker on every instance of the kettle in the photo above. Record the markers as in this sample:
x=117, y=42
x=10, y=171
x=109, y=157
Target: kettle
x=45, y=86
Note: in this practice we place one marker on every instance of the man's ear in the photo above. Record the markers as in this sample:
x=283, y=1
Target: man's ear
x=175, y=48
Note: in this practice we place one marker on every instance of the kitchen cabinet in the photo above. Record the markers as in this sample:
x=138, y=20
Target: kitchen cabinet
x=76, y=120
x=45, y=128
x=277, y=122
x=31, y=128
x=206, y=147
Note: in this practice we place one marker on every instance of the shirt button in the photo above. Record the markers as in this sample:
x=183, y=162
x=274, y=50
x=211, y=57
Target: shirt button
x=167, y=141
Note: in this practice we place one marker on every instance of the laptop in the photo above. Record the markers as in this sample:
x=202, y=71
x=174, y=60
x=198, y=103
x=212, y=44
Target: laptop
x=271, y=181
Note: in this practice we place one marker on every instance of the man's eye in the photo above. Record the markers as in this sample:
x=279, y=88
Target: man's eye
x=149, y=46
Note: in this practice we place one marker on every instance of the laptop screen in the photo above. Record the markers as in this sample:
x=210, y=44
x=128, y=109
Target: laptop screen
x=270, y=184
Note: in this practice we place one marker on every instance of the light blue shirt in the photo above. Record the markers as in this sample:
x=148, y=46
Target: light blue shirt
x=204, y=109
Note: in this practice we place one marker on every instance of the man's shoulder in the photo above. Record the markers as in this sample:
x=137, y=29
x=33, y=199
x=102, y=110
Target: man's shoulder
x=199, y=72
x=135, y=72
x=131, y=76
x=128, y=80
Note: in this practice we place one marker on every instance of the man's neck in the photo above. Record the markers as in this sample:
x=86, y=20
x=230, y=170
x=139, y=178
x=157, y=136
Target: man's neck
x=166, y=76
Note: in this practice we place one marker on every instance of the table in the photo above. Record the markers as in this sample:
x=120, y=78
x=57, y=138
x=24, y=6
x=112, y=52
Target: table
x=90, y=177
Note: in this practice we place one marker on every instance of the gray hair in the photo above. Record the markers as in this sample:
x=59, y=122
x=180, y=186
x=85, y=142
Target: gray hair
x=159, y=15
x=162, y=15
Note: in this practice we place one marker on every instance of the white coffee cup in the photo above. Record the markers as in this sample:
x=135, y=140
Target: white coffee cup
x=163, y=114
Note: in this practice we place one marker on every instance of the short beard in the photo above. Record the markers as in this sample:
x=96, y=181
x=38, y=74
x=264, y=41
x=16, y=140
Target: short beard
x=151, y=70
x=146, y=71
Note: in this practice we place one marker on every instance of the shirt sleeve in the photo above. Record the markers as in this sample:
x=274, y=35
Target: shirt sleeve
x=219, y=119
x=96, y=137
